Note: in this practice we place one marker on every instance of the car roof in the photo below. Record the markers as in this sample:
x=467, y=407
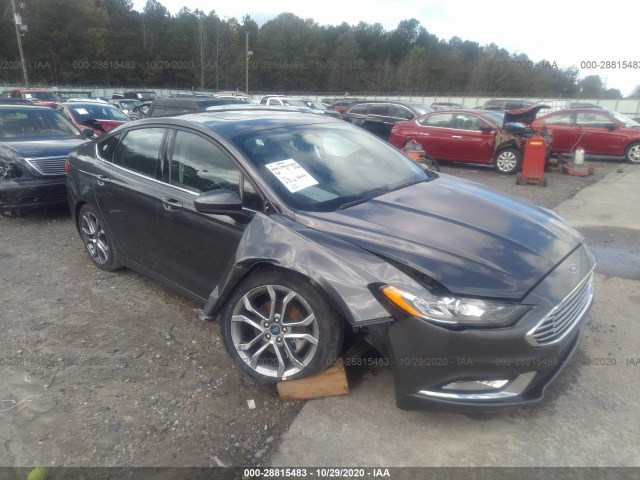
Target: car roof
x=20, y=106
x=191, y=102
x=581, y=110
x=232, y=122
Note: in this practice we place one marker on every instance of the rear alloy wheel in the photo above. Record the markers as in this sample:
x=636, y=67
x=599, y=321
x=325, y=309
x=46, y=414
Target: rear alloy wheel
x=96, y=241
x=633, y=153
x=508, y=161
x=276, y=326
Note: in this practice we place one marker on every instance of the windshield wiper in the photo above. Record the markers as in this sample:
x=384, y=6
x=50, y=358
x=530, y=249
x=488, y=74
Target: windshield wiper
x=369, y=195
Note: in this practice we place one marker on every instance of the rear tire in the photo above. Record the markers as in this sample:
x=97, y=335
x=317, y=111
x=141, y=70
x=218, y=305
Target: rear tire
x=103, y=253
x=277, y=326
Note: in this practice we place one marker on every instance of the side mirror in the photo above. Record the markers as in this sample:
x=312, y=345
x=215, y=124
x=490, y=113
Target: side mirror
x=611, y=126
x=485, y=128
x=410, y=116
x=221, y=202
x=88, y=132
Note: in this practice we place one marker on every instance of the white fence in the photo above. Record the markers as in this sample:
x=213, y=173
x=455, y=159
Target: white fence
x=630, y=107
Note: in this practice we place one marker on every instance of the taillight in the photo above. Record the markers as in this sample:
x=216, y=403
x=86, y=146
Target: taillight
x=67, y=165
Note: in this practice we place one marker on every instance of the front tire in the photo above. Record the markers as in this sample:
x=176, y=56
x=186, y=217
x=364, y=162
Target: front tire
x=632, y=153
x=101, y=250
x=508, y=161
x=277, y=326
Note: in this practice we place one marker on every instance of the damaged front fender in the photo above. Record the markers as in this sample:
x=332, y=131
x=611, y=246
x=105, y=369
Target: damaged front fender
x=342, y=271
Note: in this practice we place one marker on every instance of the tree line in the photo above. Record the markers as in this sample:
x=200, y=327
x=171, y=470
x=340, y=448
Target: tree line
x=108, y=43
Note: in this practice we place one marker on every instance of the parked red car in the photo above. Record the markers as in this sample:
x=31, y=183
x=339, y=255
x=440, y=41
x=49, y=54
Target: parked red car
x=37, y=97
x=598, y=131
x=99, y=116
x=472, y=136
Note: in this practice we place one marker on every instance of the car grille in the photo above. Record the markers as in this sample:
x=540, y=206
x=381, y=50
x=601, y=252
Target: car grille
x=561, y=320
x=48, y=165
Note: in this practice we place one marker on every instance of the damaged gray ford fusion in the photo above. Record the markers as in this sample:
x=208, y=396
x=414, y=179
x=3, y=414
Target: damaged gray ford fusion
x=294, y=229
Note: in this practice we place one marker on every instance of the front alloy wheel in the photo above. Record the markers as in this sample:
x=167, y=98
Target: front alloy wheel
x=277, y=328
x=508, y=161
x=633, y=153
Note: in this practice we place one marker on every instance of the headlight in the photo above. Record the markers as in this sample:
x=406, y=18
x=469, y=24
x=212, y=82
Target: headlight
x=455, y=311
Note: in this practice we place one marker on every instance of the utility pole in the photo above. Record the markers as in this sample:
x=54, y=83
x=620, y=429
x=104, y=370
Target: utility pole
x=249, y=53
x=18, y=22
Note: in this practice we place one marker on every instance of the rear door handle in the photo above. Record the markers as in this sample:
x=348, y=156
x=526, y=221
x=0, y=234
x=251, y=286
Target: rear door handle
x=171, y=203
x=456, y=136
x=102, y=179
x=423, y=134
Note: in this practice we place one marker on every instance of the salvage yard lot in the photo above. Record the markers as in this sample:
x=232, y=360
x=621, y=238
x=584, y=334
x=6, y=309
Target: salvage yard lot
x=104, y=369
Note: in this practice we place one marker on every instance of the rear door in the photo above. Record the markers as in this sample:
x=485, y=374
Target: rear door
x=378, y=120
x=435, y=135
x=127, y=191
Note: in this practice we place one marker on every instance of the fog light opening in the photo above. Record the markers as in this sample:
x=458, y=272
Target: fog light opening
x=482, y=389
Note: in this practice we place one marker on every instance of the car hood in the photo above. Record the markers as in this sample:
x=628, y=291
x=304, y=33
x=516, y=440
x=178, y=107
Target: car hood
x=524, y=115
x=473, y=241
x=43, y=148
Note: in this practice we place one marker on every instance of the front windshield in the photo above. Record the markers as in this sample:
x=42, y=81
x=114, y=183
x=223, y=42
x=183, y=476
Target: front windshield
x=316, y=105
x=626, y=120
x=292, y=102
x=421, y=109
x=35, y=123
x=324, y=168
x=495, y=117
x=46, y=96
x=84, y=112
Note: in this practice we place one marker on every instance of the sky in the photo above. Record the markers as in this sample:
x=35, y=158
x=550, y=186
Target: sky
x=568, y=33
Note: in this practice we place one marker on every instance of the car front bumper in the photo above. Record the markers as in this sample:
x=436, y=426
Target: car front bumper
x=30, y=192
x=487, y=369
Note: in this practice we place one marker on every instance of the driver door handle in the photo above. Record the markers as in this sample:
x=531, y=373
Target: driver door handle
x=422, y=134
x=456, y=136
x=171, y=203
x=102, y=179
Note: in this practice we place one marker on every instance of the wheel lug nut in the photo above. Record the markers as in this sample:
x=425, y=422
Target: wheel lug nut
x=266, y=324
x=277, y=320
x=284, y=329
x=268, y=337
x=279, y=339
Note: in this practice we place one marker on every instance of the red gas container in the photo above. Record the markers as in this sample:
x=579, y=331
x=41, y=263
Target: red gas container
x=533, y=161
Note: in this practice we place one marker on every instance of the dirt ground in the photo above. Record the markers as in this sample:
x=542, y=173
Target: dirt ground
x=112, y=369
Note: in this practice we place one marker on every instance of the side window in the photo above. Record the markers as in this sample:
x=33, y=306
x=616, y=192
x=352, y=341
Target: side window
x=593, y=120
x=199, y=165
x=107, y=148
x=443, y=120
x=467, y=122
x=560, y=119
x=382, y=110
x=398, y=111
x=139, y=151
x=250, y=197
x=360, y=109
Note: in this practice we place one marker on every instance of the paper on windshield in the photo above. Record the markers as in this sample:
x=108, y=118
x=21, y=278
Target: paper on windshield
x=291, y=174
x=81, y=111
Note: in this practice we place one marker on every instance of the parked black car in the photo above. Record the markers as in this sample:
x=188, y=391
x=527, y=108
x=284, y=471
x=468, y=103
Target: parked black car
x=34, y=143
x=379, y=116
x=295, y=228
x=167, y=107
x=503, y=104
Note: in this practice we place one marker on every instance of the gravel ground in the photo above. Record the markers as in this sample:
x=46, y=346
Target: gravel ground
x=112, y=369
